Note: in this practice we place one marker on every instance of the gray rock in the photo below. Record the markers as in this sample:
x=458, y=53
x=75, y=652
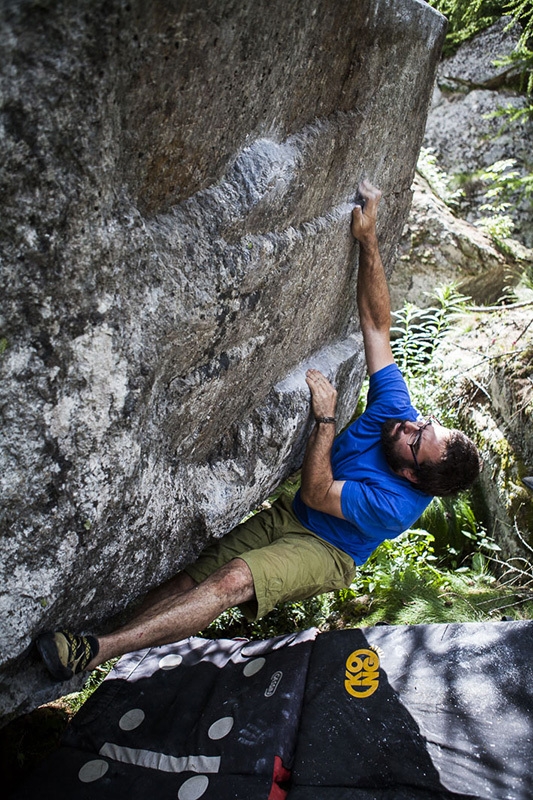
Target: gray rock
x=177, y=183
x=476, y=64
x=487, y=365
x=438, y=248
x=466, y=134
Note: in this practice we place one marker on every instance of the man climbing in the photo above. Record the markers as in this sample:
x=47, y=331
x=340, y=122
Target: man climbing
x=369, y=484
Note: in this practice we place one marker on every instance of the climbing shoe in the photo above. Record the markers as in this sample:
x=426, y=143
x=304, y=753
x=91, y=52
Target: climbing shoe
x=65, y=653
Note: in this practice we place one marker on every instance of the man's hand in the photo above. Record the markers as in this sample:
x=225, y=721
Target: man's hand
x=364, y=222
x=323, y=394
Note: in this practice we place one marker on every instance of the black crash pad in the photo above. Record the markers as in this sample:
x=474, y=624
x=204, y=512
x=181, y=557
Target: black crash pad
x=388, y=713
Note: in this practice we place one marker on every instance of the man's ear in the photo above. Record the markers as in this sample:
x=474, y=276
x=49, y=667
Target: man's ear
x=408, y=473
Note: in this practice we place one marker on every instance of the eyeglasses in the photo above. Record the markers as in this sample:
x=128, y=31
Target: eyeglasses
x=415, y=438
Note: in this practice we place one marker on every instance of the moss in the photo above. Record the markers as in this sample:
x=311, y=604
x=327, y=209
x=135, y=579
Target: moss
x=523, y=366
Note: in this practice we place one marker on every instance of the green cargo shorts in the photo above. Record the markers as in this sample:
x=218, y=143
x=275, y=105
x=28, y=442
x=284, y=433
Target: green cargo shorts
x=286, y=560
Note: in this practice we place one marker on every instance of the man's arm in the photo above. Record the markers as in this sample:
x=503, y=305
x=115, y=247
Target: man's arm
x=318, y=488
x=373, y=299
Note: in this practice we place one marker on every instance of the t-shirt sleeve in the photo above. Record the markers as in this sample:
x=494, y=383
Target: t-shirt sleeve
x=388, y=395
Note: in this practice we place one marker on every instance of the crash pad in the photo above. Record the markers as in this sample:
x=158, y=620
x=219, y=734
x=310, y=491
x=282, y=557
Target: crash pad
x=387, y=713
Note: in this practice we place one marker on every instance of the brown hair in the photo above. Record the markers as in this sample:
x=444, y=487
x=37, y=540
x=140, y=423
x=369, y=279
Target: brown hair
x=456, y=471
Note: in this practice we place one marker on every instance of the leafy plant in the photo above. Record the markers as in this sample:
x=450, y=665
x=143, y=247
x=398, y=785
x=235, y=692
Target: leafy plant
x=412, y=553
x=417, y=332
x=404, y=582
x=286, y=617
x=453, y=524
x=503, y=187
x=74, y=701
x=466, y=18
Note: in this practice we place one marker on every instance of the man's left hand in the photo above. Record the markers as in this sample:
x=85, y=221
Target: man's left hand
x=323, y=394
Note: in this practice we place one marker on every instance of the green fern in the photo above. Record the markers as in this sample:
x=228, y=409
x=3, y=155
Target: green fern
x=417, y=332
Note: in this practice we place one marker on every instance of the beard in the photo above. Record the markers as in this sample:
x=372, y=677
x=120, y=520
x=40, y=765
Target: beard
x=388, y=443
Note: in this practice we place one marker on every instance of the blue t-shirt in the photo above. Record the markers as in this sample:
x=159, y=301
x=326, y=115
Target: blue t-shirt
x=377, y=504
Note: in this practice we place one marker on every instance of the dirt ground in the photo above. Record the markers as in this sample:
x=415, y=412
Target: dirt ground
x=28, y=740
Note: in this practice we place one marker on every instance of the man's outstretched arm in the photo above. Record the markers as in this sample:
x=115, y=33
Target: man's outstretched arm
x=373, y=298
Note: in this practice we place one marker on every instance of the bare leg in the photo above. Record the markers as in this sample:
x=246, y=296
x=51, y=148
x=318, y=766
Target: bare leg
x=176, y=614
x=176, y=585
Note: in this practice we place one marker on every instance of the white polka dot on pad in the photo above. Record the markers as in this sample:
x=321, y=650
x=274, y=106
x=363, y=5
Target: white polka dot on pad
x=193, y=788
x=131, y=719
x=253, y=666
x=93, y=770
x=171, y=661
x=220, y=728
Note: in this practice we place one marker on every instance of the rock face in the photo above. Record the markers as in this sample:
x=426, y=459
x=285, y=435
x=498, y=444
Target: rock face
x=489, y=361
x=438, y=245
x=463, y=131
x=438, y=248
x=177, y=185
x=476, y=64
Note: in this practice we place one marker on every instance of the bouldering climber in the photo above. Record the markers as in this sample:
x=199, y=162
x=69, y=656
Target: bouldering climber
x=370, y=483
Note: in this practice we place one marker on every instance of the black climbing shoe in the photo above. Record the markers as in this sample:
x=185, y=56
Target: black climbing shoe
x=65, y=653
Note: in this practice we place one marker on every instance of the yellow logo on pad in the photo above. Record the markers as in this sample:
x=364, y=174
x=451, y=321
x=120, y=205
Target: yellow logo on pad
x=362, y=676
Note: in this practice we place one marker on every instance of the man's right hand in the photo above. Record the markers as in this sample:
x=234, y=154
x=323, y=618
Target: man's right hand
x=364, y=222
x=323, y=394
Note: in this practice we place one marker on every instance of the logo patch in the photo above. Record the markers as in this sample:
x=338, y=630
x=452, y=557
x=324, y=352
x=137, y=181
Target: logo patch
x=274, y=683
x=362, y=673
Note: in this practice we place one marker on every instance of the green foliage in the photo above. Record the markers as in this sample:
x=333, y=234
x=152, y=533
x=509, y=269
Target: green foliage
x=404, y=583
x=412, y=557
x=289, y=487
x=522, y=11
x=410, y=554
x=501, y=181
x=75, y=701
x=450, y=520
x=466, y=18
x=520, y=62
x=285, y=618
x=417, y=333
x=502, y=187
